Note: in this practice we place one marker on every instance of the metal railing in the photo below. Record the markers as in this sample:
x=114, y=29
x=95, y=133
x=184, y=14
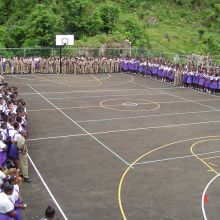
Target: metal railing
x=97, y=52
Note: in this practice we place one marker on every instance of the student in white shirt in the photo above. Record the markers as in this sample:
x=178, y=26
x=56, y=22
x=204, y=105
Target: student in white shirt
x=6, y=206
x=13, y=151
x=3, y=153
x=2, y=177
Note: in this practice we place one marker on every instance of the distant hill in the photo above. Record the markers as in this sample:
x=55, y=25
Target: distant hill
x=182, y=26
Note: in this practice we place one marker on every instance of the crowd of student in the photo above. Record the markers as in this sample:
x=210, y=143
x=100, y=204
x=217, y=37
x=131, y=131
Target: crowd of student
x=200, y=77
x=13, y=155
x=13, y=152
x=51, y=65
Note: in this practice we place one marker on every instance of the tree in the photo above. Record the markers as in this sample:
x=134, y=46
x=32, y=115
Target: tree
x=77, y=14
x=212, y=42
x=42, y=26
x=95, y=24
x=109, y=15
x=133, y=29
x=5, y=8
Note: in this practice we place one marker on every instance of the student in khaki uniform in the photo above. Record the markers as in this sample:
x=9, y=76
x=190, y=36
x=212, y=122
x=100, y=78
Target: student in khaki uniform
x=116, y=65
x=94, y=66
x=64, y=66
x=57, y=63
x=8, y=67
x=68, y=65
x=101, y=65
x=108, y=66
x=83, y=65
x=50, y=62
x=23, y=159
x=46, y=69
x=32, y=66
x=1, y=66
x=112, y=66
x=177, y=76
x=75, y=64
x=22, y=65
x=71, y=65
x=26, y=66
x=54, y=65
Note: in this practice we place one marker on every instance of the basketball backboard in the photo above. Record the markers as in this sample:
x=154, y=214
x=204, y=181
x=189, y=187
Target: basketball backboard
x=62, y=40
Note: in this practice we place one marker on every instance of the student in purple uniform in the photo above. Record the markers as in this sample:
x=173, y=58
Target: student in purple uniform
x=13, y=152
x=214, y=84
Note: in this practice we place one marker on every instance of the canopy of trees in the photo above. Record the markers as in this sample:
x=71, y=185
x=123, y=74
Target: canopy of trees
x=189, y=25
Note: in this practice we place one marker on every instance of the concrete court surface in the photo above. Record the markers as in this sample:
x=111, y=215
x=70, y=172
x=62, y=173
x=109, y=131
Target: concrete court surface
x=119, y=146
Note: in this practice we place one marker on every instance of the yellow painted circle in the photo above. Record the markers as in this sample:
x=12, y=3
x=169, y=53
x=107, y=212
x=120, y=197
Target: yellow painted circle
x=120, y=186
x=136, y=105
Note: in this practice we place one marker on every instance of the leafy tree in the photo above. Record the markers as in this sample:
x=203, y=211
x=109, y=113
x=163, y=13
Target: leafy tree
x=5, y=9
x=95, y=24
x=109, y=15
x=77, y=14
x=212, y=43
x=133, y=29
x=42, y=26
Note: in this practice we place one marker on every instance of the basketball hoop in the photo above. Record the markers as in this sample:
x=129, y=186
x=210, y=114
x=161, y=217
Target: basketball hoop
x=64, y=40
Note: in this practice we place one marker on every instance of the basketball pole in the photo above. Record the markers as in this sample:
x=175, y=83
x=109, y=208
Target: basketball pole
x=60, y=60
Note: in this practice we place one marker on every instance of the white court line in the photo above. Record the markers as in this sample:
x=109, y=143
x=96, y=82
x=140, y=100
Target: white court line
x=213, y=108
x=18, y=77
x=145, y=116
x=100, y=96
x=126, y=130
x=85, y=91
x=176, y=158
x=156, y=127
x=47, y=188
x=204, y=193
x=63, y=136
x=83, y=129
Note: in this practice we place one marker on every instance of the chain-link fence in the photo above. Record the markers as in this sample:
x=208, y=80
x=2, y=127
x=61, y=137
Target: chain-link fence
x=100, y=52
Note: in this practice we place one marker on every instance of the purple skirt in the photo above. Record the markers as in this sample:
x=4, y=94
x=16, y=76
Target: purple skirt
x=189, y=79
x=160, y=73
x=18, y=217
x=13, y=152
x=3, y=157
x=5, y=217
x=141, y=69
x=184, y=78
x=214, y=85
x=206, y=84
x=196, y=80
x=171, y=76
x=201, y=81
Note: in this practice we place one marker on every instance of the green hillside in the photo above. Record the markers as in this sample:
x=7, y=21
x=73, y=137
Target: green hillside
x=182, y=26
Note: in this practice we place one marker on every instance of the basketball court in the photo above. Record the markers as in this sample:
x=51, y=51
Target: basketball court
x=119, y=146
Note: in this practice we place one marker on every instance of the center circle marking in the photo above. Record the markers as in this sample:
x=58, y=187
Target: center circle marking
x=130, y=104
x=126, y=104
